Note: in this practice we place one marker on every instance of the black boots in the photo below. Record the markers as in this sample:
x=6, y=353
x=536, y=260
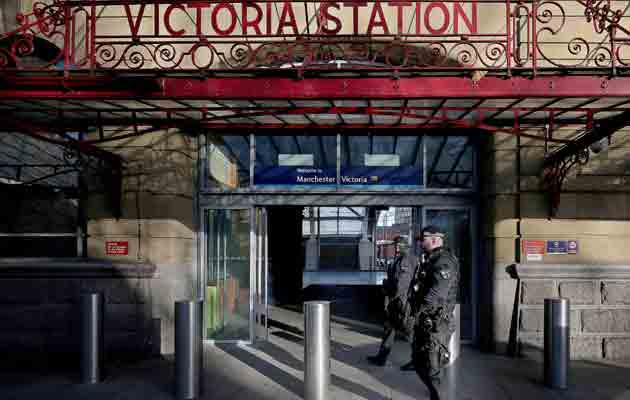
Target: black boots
x=380, y=359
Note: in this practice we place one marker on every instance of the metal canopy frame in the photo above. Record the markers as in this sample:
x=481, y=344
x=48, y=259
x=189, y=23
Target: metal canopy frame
x=86, y=79
x=532, y=108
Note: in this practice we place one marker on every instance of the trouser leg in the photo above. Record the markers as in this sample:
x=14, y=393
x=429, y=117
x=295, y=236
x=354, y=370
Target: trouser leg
x=385, y=348
x=388, y=339
x=426, y=375
x=425, y=362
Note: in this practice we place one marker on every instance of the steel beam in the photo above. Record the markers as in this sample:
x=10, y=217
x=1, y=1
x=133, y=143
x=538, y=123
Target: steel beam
x=282, y=88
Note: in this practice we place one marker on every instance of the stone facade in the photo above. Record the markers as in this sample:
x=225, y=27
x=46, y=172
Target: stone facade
x=158, y=219
x=39, y=309
x=593, y=210
x=599, y=329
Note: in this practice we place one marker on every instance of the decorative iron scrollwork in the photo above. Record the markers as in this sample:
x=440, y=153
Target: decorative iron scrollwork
x=602, y=15
x=555, y=176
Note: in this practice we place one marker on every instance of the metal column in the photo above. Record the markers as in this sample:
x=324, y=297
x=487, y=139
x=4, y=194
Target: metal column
x=316, y=350
x=188, y=349
x=454, y=343
x=557, y=323
x=91, y=314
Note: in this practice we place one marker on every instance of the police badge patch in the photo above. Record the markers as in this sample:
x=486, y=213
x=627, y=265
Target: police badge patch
x=445, y=274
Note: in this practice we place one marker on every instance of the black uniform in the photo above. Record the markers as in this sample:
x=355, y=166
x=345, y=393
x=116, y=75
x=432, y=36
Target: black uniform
x=398, y=315
x=434, y=301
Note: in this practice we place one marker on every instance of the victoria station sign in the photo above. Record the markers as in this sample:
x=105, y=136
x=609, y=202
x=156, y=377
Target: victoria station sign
x=264, y=19
x=498, y=35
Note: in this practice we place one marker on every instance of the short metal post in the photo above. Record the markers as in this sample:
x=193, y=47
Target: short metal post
x=91, y=315
x=316, y=350
x=188, y=349
x=454, y=343
x=557, y=323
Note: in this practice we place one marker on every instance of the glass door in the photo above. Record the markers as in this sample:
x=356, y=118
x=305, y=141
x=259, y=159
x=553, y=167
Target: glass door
x=260, y=272
x=456, y=223
x=228, y=294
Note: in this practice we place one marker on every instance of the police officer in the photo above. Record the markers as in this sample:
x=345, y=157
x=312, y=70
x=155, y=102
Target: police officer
x=435, y=289
x=398, y=318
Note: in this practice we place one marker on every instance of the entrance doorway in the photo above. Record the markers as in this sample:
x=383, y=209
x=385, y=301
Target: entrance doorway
x=256, y=257
x=235, y=274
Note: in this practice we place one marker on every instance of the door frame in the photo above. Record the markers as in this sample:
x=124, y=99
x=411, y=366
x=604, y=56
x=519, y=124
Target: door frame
x=474, y=261
x=252, y=203
x=253, y=275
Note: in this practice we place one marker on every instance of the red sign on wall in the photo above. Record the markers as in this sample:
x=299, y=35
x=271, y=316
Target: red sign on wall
x=117, y=248
x=533, y=249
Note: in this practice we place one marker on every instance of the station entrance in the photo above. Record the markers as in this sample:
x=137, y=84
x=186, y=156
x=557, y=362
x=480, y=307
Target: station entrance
x=279, y=225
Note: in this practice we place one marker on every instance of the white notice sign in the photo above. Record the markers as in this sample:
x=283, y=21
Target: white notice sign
x=382, y=160
x=296, y=160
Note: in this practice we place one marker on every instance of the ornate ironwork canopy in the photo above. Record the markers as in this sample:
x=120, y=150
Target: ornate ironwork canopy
x=499, y=36
x=93, y=66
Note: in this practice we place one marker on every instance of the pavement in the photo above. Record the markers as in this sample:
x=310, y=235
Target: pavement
x=274, y=369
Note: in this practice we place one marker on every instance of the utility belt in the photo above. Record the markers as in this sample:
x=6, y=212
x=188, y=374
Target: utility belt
x=433, y=317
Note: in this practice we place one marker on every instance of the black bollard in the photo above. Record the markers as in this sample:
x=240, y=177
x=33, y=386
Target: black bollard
x=557, y=323
x=188, y=349
x=91, y=313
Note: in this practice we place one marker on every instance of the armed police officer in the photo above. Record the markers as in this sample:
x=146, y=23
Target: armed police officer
x=398, y=317
x=435, y=289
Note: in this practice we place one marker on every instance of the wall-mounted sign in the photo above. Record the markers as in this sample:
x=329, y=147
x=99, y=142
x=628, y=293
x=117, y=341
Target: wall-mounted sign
x=381, y=176
x=295, y=176
x=117, y=248
x=533, y=249
x=572, y=246
x=557, y=247
x=296, y=160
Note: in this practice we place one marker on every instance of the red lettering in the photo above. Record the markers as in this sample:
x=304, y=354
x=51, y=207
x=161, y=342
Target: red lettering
x=418, y=9
x=254, y=24
x=156, y=19
x=287, y=11
x=134, y=25
x=167, y=19
x=326, y=16
x=427, y=18
x=400, y=5
x=199, y=6
x=268, y=18
x=215, y=22
x=377, y=9
x=459, y=12
x=355, y=13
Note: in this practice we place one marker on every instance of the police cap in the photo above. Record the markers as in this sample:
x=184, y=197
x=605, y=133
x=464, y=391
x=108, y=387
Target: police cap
x=430, y=230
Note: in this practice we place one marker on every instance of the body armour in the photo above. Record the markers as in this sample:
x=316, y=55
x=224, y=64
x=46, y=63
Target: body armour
x=438, y=282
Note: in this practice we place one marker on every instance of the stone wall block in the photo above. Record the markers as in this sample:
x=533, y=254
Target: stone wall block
x=122, y=317
x=533, y=320
x=536, y=291
x=63, y=291
x=586, y=348
x=116, y=291
x=578, y=292
x=22, y=318
x=617, y=348
x=23, y=291
x=26, y=342
x=61, y=317
x=615, y=321
x=615, y=293
x=580, y=348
